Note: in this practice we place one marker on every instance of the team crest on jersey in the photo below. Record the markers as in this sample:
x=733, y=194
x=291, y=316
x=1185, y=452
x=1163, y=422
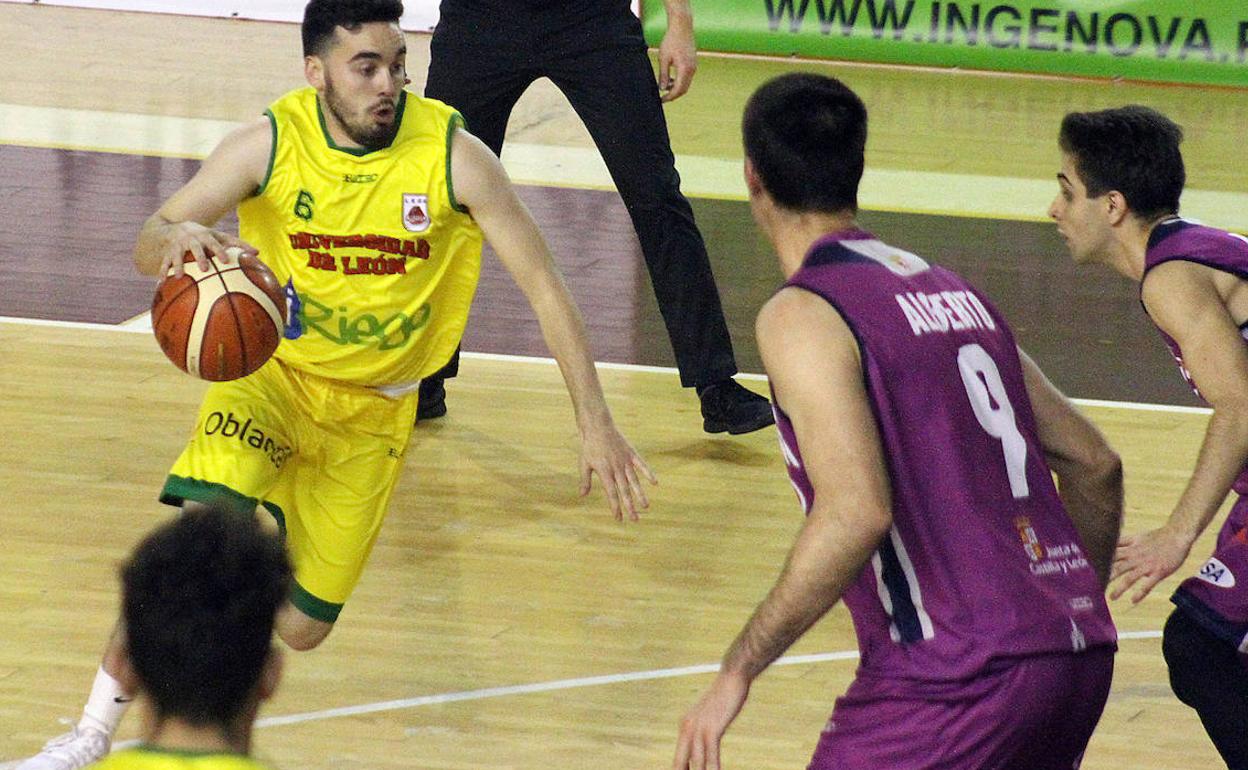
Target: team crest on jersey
x=1026, y=533
x=415, y=212
x=1217, y=573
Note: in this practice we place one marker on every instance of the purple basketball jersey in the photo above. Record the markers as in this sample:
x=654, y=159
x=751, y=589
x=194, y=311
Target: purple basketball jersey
x=983, y=562
x=1217, y=597
x=1181, y=239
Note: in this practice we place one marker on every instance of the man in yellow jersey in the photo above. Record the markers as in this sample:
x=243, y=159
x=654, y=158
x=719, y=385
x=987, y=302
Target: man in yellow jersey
x=199, y=597
x=369, y=203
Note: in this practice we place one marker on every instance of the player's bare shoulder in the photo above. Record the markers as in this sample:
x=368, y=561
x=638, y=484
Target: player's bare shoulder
x=246, y=150
x=252, y=136
x=773, y=316
x=1171, y=289
x=234, y=171
x=479, y=177
x=788, y=307
x=796, y=323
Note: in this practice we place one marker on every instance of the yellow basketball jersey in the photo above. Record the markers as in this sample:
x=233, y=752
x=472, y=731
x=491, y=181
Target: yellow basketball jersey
x=152, y=758
x=379, y=261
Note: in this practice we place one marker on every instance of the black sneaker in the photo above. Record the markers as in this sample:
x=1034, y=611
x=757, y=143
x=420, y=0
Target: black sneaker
x=432, y=404
x=729, y=407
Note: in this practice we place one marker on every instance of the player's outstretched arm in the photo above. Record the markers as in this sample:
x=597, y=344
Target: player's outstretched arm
x=1186, y=301
x=1089, y=472
x=234, y=171
x=813, y=362
x=482, y=186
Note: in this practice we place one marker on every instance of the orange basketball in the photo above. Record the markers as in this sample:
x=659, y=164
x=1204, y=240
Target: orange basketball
x=221, y=324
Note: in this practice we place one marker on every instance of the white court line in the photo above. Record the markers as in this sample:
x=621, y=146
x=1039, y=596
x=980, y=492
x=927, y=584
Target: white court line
x=1143, y=407
x=551, y=686
x=142, y=325
x=562, y=684
x=71, y=324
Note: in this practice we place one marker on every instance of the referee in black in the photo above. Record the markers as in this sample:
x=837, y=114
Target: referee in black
x=485, y=53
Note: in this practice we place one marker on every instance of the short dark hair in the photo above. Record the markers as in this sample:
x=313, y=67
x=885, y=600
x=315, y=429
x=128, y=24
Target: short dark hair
x=806, y=136
x=199, y=597
x=321, y=17
x=1132, y=149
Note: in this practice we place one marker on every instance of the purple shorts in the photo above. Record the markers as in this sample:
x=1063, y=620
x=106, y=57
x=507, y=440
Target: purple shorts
x=1217, y=597
x=1033, y=713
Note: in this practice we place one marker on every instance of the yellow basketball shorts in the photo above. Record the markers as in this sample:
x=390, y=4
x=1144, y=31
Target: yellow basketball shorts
x=321, y=456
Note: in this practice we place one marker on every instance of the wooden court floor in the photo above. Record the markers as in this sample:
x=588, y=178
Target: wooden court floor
x=502, y=622
x=489, y=573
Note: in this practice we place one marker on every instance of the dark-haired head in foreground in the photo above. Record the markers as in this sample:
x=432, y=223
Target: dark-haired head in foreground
x=200, y=595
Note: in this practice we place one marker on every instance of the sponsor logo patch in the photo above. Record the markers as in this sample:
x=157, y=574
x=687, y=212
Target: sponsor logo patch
x=1216, y=573
x=227, y=426
x=341, y=327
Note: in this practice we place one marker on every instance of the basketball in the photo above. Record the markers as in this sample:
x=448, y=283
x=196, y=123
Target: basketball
x=223, y=323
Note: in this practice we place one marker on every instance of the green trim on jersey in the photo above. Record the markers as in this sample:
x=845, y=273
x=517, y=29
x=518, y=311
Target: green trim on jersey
x=268, y=172
x=147, y=756
x=456, y=121
x=151, y=748
x=179, y=489
x=313, y=606
x=360, y=152
x=278, y=515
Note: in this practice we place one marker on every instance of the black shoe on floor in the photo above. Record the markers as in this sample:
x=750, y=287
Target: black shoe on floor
x=432, y=404
x=729, y=407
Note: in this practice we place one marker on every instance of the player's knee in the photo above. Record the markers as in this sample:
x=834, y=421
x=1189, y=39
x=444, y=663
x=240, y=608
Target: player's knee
x=302, y=641
x=299, y=631
x=1187, y=650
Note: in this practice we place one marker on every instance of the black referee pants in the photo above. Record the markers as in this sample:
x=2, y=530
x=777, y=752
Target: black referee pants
x=485, y=54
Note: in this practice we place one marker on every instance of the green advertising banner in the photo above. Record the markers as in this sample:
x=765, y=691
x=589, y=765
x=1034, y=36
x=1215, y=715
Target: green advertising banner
x=1187, y=41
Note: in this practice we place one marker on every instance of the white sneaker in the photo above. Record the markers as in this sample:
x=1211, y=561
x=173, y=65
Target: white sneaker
x=77, y=748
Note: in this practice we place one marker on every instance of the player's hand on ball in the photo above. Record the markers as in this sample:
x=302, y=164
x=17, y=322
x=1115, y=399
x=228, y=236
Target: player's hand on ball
x=605, y=452
x=1145, y=560
x=222, y=323
x=191, y=239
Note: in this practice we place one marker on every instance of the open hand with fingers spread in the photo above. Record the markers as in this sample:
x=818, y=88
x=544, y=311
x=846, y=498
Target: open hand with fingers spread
x=1142, y=561
x=606, y=452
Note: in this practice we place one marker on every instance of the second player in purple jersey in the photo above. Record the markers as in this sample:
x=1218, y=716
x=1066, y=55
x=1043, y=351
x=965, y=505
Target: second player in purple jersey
x=1217, y=596
x=921, y=443
x=1121, y=179
x=1178, y=239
